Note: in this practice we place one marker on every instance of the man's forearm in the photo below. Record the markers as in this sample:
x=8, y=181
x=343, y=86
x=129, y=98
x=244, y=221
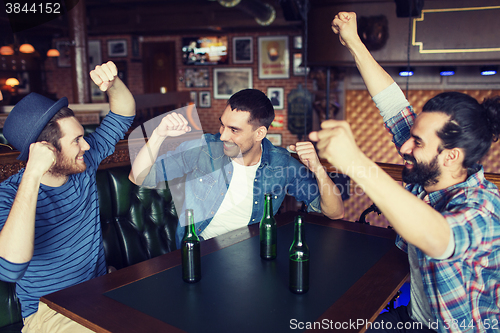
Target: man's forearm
x=413, y=219
x=331, y=198
x=146, y=158
x=375, y=77
x=121, y=100
x=17, y=237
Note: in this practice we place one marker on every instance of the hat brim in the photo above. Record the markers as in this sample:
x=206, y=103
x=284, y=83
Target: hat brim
x=40, y=125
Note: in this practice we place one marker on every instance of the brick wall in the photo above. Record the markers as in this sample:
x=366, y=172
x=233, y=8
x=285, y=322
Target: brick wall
x=59, y=78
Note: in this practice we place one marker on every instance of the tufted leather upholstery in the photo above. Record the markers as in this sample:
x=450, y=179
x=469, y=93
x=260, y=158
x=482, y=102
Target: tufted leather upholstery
x=10, y=309
x=137, y=224
x=2, y=137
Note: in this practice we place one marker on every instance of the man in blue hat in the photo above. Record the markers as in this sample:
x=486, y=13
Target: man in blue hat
x=50, y=234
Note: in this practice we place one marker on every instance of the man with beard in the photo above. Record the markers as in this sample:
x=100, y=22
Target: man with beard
x=448, y=219
x=228, y=174
x=50, y=234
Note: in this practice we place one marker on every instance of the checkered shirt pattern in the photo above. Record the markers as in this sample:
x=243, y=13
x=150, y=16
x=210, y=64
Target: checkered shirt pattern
x=463, y=290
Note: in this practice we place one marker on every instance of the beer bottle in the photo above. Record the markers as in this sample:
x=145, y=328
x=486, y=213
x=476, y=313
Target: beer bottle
x=299, y=260
x=190, y=247
x=268, y=231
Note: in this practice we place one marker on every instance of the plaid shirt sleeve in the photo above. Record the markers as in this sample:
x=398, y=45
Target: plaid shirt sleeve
x=399, y=126
x=464, y=288
x=473, y=226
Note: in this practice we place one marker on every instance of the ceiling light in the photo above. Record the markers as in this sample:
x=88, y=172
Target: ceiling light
x=26, y=48
x=53, y=53
x=6, y=50
x=447, y=71
x=406, y=72
x=12, y=82
x=489, y=70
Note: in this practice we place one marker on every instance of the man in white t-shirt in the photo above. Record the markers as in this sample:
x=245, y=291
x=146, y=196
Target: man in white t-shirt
x=227, y=174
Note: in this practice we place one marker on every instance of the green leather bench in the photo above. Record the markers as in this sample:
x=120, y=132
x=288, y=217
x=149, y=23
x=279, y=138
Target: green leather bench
x=137, y=224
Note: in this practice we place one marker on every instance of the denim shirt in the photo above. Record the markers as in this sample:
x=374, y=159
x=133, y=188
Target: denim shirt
x=209, y=171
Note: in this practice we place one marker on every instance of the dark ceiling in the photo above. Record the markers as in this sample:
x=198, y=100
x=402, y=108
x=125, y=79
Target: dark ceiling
x=165, y=17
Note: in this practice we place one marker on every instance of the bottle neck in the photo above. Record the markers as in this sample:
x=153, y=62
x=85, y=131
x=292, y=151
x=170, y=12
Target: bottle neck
x=268, y=206
x=298, y=236
x=189, y=229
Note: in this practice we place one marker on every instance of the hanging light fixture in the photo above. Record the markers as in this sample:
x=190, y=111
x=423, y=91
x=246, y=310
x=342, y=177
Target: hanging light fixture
x=6, y=50
x=26, y=48
x=12, y=81
x=52, y=53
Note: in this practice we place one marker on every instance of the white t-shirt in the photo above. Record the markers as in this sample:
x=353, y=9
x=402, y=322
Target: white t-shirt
x=236, y=208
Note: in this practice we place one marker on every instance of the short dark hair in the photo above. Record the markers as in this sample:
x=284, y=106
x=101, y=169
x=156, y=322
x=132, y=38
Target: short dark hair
x=472, y=126
x=52, y=131
x=257, y=103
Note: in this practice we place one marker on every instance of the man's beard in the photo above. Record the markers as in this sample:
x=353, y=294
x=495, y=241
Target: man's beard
x=66, y=166
x=425, y=174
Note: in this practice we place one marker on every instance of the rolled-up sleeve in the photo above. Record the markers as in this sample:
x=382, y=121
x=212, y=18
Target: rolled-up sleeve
x=12, y=272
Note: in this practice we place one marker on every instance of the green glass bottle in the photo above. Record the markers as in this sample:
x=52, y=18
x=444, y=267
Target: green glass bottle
x=268, y=231
x=190, y=247
x=299, y=260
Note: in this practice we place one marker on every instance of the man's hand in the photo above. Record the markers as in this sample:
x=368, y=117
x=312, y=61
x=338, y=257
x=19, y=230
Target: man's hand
x=307, y=155
x=42, y=157
x=344, y=24
x=173, y=124
x=104, y=75
x=336, y=143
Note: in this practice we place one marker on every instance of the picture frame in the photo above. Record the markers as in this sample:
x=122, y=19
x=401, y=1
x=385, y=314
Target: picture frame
x=196, y=77
x=274, y=57
x=117, y=48
x=192, y=96
x=95, y=55
x=64, y=48
x=276, y=95
x=243, y=50
x=297, y=61
x=228, y=81
x=205, y=99
x=278, y=123
x=275, y=138
x=95, y=59
x=297, y=42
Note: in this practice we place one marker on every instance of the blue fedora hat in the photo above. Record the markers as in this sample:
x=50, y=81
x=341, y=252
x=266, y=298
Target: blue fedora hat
x=27, y=120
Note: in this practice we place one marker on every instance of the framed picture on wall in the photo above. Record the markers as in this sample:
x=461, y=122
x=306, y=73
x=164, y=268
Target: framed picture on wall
x=64, y=48
x=297, y=42
x=228, y=81
x=95, y=58
x=298, y=69
x=276, y=97
x=275, y=139
x=242, y=50
x=192, y=96
x=205, y=101
x=274, y=58
x=196, y=77
x=117, y=48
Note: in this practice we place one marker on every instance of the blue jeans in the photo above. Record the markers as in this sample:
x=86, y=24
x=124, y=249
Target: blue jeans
x=396, y=320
